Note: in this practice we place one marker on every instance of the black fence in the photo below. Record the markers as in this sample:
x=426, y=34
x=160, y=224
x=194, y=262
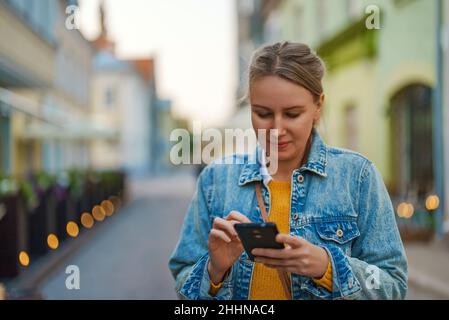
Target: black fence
x=43, y=204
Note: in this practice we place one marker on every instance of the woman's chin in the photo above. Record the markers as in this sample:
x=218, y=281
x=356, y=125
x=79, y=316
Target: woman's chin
x=284, y=156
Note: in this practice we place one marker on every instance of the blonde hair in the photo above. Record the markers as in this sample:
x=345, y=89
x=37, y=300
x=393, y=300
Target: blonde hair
x=294, y=62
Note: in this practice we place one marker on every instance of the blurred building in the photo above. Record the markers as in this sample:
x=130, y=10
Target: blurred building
x=251, y=18
x=250, y=36
x=125, y=100
x=163, y=125
x=44, y=88
x=380, y=81
x=445, y=102
x=23, y=30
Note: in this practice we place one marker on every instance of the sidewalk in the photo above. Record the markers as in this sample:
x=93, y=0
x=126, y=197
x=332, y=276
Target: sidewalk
x=429, y=267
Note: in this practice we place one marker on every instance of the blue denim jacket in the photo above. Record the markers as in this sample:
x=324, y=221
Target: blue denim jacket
x=338, y=201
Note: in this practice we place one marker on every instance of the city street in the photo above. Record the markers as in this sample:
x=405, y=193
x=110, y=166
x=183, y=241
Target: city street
x=127, y=258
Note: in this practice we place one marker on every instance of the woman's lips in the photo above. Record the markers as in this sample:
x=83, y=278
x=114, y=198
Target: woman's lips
x=282, y=145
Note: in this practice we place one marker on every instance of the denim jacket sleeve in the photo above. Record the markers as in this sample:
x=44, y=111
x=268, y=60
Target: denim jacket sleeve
x=188, y=262
x=377, y=268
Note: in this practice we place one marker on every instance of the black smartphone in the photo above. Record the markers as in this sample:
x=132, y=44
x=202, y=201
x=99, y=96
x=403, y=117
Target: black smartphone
x=258, y=235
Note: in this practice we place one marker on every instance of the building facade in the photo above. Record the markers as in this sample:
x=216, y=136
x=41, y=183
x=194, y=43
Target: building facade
x=445, y=102
x=121, y=102
x=27, y=64
x=380, y=84
x=45, y=72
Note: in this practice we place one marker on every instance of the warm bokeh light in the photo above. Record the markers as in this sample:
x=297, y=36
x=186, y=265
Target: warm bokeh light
x=86, y=220
x=72, y=229
x=24, y=259
x=98, y=213
x=432, y=202
x=108, y=207
x=405, y=210
x=400, y=209
x=116, y=202
x=409, y=211
x=52, y=241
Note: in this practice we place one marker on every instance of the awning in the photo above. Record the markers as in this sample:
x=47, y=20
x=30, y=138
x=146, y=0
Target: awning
x=53, y=128
x=81, y=130
x=14, y=102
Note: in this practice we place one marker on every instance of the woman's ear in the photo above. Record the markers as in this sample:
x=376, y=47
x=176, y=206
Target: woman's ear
x=319, y=107
x=321, y=101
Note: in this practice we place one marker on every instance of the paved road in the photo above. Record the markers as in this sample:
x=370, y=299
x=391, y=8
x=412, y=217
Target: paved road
x=127, y=259
x=415, y=293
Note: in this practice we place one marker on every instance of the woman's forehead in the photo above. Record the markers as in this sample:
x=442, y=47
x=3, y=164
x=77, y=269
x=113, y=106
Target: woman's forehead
x=274, y=92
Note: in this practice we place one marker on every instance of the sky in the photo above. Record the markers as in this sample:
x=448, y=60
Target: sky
x=193, y=42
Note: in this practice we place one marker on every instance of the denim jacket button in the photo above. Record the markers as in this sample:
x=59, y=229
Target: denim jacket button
x=339, y=233
x=300, y=179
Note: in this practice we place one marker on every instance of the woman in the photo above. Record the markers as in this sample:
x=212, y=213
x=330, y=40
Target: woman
x=330, y=205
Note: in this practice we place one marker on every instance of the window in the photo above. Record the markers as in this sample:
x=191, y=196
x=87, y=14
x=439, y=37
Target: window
x=4, y=144
x=2, y=155
x=39, y=15
x=412, y=148
x=110, y=98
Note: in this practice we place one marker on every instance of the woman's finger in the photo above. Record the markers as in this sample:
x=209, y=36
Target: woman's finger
x=275, y=262
x=286, y=253
x=292, y=241
x=224, y=225
x=237, y=216
x=219, y=234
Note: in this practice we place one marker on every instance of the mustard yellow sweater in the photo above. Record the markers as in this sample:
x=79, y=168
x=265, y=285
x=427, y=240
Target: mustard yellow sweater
x=265, y=283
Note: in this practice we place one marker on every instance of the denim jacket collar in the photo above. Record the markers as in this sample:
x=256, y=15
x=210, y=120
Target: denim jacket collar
x=316, y=162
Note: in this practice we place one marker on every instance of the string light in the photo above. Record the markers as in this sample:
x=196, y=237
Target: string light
x=52, y=241
x=432, y=202
x=405, y=210
x=72, y=229
x=87, y=220
x=98, y=213
x=24, y=259
x=108, y=207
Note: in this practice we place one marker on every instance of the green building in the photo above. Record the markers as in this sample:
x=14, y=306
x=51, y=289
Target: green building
x=380, y=84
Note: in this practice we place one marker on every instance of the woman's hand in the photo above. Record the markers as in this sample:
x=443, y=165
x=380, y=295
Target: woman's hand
x=299, y=256
x=224, y=245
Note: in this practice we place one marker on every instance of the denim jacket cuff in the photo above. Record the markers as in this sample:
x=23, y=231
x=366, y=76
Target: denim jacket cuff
x=344, y=282
x=198, y=283
x=225, y=291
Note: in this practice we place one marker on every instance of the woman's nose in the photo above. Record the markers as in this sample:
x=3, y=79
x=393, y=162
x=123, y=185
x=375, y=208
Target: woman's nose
x=279, y=126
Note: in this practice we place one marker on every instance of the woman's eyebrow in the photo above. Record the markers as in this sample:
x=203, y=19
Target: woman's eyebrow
x=262, y=107
x=294, y=107
x=288, y=108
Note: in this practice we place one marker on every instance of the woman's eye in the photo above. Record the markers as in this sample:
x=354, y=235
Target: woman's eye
x=293, y=115
x=264, y=115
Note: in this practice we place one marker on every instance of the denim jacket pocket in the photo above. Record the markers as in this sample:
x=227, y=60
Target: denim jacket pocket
x=333, y=232
x=339, y=231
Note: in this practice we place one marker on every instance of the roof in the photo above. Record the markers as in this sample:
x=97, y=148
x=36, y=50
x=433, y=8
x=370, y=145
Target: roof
x=145, y=67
